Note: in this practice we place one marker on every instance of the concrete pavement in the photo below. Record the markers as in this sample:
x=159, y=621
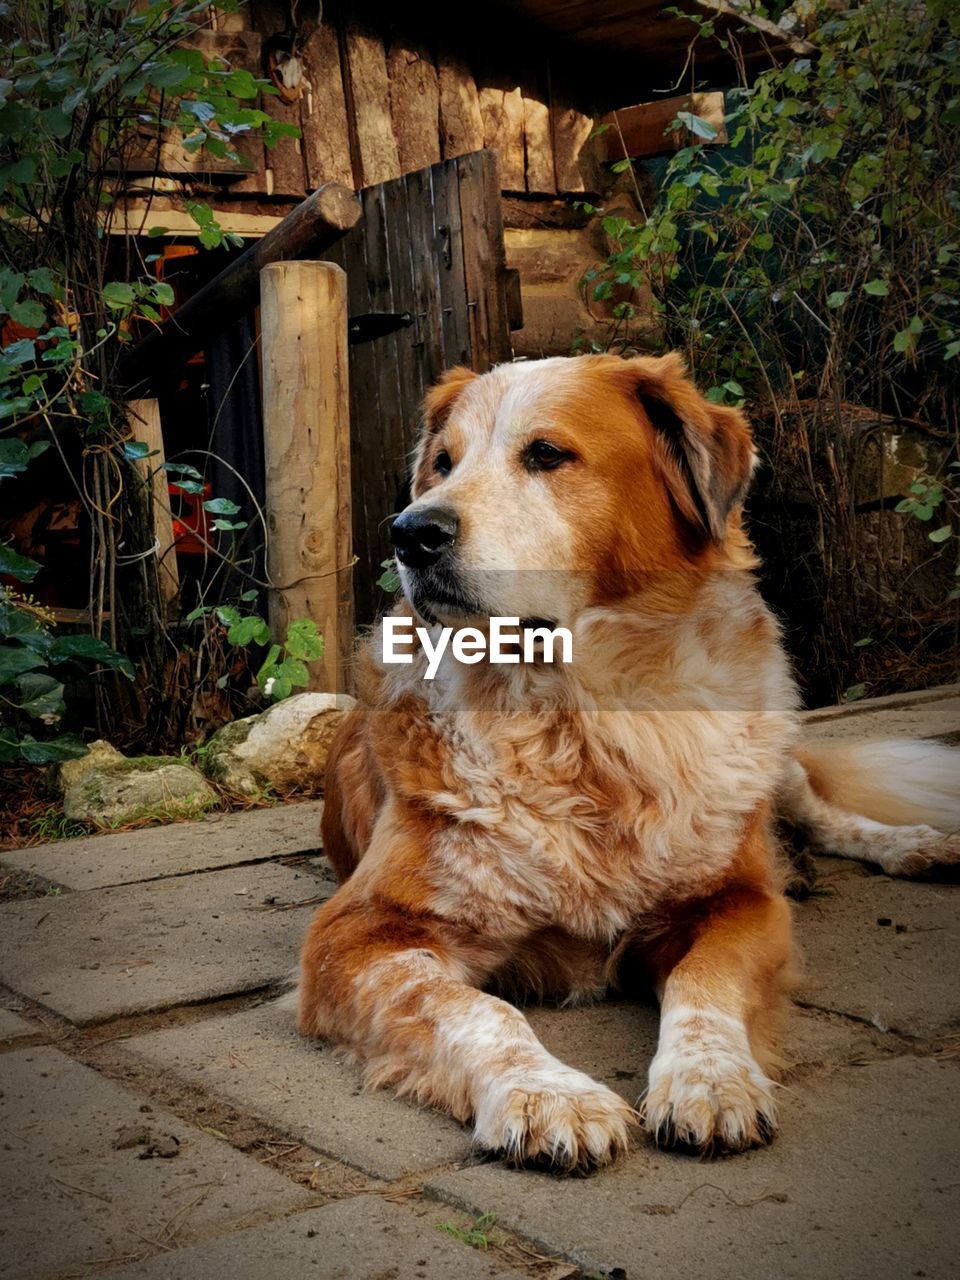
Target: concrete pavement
x=160, y=1118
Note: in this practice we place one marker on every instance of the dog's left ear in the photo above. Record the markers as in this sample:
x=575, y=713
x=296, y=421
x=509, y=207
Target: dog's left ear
x=439, y=399
x=705, y=450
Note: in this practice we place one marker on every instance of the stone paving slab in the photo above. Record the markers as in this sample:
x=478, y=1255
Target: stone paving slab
x=258, y=1062
x=863, y=1182
x=931, y=713
x=219, y=840
x=901, y=975
x=364, y=1238
x=70, y=1198
x=12, y=1027
x=93, y=956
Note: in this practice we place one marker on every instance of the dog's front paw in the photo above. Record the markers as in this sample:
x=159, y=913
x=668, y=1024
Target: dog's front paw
x=707, y=1092
x=556, y=1117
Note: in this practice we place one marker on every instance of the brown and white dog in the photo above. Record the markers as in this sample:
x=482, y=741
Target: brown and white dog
x=561, y=828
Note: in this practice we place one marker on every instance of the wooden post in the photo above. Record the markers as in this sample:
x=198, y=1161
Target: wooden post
x=306, y=438
x=144, y=419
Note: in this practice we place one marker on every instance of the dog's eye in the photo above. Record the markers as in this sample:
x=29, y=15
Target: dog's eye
x=541, y=455
x=442, y=464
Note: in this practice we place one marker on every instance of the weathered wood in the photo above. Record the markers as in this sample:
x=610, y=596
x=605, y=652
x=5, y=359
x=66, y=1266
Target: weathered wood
x=642, y=130
x=368, y=104
x=307, y=232
x=461, y=124
x=285, y=174
x=574, y=149
x=144, y=419
x=501, y=108
x=538, y=142
x=323, y=112
x=483, y=260
x=451, y=278
x=414, y=105
x=306, y=435
x=409, y=254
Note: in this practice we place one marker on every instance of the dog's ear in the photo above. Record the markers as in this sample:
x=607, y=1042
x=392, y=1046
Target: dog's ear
x=439, y=399
x=705, y=450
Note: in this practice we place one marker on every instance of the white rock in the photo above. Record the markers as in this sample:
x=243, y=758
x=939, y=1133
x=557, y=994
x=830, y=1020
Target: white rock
x=282, y=747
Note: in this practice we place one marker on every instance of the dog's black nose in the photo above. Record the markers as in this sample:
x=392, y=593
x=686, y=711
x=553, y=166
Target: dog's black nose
x=421, y=536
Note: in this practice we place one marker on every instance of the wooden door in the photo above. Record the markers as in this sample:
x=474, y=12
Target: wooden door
x=426, y=262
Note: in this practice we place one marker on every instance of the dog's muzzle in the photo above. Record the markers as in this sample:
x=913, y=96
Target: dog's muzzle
x=422, y=536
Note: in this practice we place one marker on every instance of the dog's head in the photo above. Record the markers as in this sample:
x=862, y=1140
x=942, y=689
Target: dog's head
x=546, y=487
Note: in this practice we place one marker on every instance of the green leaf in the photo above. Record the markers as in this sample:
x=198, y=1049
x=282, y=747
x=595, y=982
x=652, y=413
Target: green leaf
x=17, y=566
x=56, y=122
x=134, y=450
x=876, y=288
x=837, y=299
x=39, y=694
x=294, y=670
x=15, y=659
x=89, y=649
x=941, y=534
x=855, y=693
x=163, y=293
x=221, y=507
x=28, y=313
x=699, y=127
x=281, y=688
x=249, y=629
x=117, y=294
x=304, y=640
x=65, y=747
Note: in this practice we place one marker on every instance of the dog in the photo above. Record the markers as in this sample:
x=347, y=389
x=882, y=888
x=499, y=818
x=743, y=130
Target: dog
x=557, y=829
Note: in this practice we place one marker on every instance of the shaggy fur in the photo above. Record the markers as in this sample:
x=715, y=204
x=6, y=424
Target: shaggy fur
x=561, y=828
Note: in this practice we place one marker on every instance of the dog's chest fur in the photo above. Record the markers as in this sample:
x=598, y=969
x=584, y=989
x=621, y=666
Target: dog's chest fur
x=563, y=806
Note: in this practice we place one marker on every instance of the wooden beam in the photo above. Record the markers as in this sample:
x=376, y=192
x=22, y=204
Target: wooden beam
x=368, y=102
x=144, y=419
x=138, y=217
x=642, y=130
x=501, y=107
x=306, y=439
x=414, y=105
x=461, y=124
x=323, y=111
x=313, y=226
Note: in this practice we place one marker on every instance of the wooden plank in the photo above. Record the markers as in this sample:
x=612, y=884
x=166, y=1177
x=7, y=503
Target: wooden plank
x=448, y=257
x=641, y=130
x=461, y=124
x=368, y=104
x=306, y=435
x=501, y=108
x=414, y=105
x=410, y=369
x=323, y=112
x=538, y=143
x=144, y=419
x=284, y=166
x=426, y=284
x=574, y=150
x=137, y=217
x=382, y=440
x=483, y=260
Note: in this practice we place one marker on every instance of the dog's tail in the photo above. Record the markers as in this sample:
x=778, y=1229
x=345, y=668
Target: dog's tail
x=892, y=801
x=897, y=781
